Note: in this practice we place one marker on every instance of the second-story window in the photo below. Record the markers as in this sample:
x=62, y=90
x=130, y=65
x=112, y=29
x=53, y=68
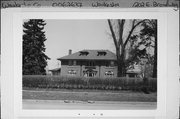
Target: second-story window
x=70, y=63
x=74, y=62
x=90, y=63
x=107, y=63
x=111, y=63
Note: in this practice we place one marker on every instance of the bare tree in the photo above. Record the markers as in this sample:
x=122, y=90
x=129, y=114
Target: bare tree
x=121, y=40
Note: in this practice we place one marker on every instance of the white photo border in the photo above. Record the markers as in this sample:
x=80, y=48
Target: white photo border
x=163, y=71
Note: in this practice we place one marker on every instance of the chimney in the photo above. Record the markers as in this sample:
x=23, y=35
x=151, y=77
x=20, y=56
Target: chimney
x=70, y=51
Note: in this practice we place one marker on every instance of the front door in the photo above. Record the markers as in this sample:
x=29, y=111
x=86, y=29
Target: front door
x=90, y=73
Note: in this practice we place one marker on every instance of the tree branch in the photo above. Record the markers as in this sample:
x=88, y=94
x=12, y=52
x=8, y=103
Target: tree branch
x=131, y=31
x=113, y=34
x=151, y=23
x=121, y=28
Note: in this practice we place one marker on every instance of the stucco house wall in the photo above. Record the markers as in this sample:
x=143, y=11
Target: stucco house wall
x=65, y=70
x=104, y=70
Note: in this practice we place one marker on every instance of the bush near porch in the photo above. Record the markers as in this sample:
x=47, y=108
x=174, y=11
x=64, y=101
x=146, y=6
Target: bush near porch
x=60, y=82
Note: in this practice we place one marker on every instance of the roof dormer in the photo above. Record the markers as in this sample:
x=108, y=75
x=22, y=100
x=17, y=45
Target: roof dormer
x=101, y=53
x=83, y=53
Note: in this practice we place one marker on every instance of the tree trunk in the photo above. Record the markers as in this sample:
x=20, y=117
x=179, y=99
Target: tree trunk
x=120, y=63
x=122, y=68
x=145, y=85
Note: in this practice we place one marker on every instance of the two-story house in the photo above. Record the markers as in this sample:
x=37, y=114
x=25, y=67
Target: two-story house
x=89, y=63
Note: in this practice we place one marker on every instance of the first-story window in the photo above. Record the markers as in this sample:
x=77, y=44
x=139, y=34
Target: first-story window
x=72, y=72
x=109, y=73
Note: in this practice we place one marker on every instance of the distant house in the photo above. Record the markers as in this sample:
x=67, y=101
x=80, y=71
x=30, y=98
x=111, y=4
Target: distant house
x=135, y=71
x=89, y=63
x=55, y=71
x=140, y=69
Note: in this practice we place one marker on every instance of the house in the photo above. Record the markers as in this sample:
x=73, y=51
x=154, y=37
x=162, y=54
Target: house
x=140, y=69
x=135, y=71
x=89, y=63
x=55, y=71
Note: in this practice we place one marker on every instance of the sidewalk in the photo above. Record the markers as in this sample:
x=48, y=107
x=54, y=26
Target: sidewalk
x=87, y=105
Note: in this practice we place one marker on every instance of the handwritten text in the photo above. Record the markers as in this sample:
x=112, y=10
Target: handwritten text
x=154, y=4
x=105, y=4
x=67, y=4
x=19, y=4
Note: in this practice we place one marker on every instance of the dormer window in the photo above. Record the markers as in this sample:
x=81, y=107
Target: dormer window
x=83, y=53
x=101, y=53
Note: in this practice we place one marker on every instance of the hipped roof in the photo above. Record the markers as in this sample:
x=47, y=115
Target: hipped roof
x=92, y=55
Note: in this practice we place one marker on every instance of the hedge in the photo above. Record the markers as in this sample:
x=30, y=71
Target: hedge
x=60, y=82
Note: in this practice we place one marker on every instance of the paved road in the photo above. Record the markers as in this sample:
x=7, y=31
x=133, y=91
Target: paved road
x=89, y=105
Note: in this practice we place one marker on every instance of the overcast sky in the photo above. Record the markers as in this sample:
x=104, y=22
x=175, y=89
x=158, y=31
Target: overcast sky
x=76, y=35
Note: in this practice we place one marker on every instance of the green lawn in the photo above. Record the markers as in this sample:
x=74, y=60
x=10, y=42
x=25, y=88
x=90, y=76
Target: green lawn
x=88, y=95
